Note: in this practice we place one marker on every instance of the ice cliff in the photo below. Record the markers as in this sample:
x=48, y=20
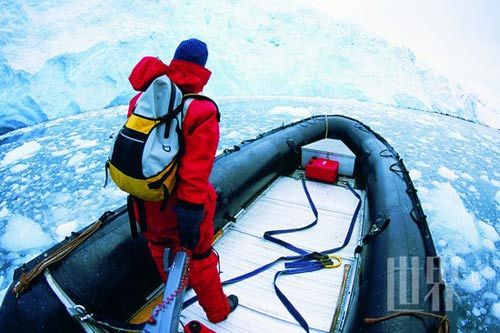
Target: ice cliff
x=61, y=58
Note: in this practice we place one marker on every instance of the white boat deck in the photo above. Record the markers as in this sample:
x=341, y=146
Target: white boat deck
x=242, y=249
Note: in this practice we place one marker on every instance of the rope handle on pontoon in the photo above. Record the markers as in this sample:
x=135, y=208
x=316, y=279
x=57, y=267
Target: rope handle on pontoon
x=444, y=321
x=26, y=278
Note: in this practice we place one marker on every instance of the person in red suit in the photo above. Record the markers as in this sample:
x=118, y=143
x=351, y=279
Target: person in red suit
x=188, y=220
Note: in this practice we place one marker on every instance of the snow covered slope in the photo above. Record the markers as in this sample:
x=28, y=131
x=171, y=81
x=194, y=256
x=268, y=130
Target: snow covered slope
x=64, y=57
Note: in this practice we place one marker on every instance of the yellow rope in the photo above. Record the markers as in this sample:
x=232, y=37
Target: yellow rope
x=26, y=278
x=336, y=261
x=444, y=322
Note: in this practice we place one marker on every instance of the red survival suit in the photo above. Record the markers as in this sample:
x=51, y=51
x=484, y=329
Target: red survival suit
x=200, y=130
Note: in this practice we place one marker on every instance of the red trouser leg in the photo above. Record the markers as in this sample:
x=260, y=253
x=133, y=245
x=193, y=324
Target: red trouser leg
x=204, y=277
x=205, y=280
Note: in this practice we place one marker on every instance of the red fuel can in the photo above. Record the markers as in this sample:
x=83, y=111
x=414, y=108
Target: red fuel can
x=322, y=169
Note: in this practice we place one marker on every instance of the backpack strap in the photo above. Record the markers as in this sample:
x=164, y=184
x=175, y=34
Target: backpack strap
x=203, y=98
x=133, y=204
x=172, y=113
x=181, y=108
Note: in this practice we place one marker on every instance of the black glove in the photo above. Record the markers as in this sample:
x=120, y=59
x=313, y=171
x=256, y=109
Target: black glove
x=189, y=217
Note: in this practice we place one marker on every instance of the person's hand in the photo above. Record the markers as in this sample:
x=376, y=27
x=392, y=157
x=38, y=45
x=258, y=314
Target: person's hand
x=189, y=217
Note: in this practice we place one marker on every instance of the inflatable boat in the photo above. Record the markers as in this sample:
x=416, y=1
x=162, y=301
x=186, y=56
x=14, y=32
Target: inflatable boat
x=349, y=254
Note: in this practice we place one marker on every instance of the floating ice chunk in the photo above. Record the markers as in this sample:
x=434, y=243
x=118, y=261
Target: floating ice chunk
x=18, y=168
x=495, y=310
x=233, y=135
x=60, y=213
x=84, y=193
x=22, y=233
x=488, y=231
x=377, y=123
x=3, y=292
x=466, y=176
x=27, y=150
x=65, y=229
x=422, y=164
x=484, y=177
x=473, y=189
x=415, y=174
x=450, y=214
x=4, y=212
x=293, y=111
x=447, y=173
x=60, y=198
x=458, y=136
x=442, y=243
x=476, y=312
x=81, y=170
x=61, y=152
x=76, y=160
x=85, y=143
x=87, y=203
x=489, y=245
x=497, y=197
x=474, y=282
x=488, y=273
x=112, y=192
x=457, y=262
x=423, y=190
x=490, y=296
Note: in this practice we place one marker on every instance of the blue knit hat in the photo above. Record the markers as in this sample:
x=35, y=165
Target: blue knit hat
x=192, y=50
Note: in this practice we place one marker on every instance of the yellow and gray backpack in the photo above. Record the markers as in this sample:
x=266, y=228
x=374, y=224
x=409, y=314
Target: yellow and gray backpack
x=143, y=157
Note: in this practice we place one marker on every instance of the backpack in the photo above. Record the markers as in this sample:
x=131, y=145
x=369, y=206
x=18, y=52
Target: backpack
x=144, y=155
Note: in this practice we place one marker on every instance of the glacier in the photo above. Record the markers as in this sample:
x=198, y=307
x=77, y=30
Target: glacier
x=64, y=69
x=81, y=61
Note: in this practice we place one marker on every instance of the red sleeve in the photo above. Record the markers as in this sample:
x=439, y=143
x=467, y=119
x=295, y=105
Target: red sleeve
x=133, y=102
x=201, y=136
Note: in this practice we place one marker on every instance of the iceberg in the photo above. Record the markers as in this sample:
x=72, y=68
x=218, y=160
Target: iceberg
x=324, y=58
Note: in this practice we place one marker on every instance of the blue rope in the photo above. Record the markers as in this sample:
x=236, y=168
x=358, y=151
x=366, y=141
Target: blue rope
x=268, y=235
x=297, y=264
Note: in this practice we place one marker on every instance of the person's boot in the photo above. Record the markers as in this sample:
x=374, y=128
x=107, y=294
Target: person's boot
x=233, y=302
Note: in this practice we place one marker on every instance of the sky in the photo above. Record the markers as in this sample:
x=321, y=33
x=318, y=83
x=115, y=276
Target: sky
x=458, y=38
